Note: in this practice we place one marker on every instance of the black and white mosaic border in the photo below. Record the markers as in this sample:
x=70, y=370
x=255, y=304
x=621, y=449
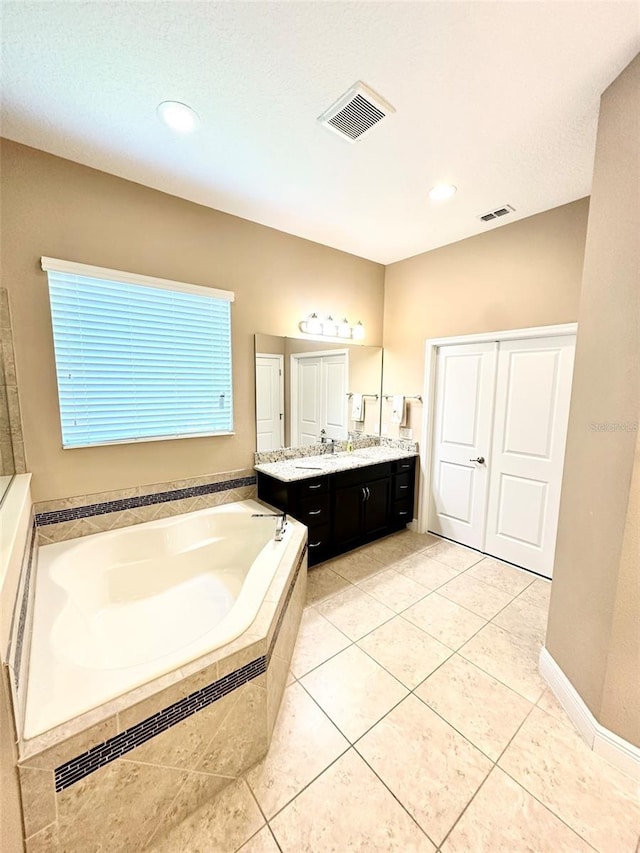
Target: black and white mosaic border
x=123, y=504
x=118, y=745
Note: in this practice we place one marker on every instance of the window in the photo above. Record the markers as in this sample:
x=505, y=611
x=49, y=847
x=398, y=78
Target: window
x=138, y=358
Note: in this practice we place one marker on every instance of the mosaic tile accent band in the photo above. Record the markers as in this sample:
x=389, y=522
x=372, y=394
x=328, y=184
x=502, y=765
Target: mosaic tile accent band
x=118, y=745
x=24, y=604
x=74, y=513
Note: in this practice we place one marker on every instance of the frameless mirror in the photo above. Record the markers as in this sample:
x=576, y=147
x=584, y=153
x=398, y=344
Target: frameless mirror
x=304, y=387
x=7, y=465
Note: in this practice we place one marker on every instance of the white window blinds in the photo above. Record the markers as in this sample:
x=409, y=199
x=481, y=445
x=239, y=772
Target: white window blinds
x=138, y=359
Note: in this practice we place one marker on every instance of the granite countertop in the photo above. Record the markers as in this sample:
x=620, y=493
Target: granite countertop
x=290, y=470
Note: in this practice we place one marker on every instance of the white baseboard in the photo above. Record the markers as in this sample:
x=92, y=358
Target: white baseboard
x=622, y=754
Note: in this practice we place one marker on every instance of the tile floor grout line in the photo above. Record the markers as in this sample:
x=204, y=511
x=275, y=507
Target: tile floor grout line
x=490, y=588
x=468, y=739
x=531, y=794
x=550, y=810
x=473, y=796
x=315, y=778
x=486, y=672
x=495, y=764
x=260, y=809
x=273, y=836
x=400, y=803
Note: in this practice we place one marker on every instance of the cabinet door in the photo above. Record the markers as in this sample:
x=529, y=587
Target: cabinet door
x=376, y=507
x=346, y=519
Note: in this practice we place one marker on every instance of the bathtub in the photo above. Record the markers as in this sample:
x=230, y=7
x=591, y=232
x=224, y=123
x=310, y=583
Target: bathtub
x=116, y=610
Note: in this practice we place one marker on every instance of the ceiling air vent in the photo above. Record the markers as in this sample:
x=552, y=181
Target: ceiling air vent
x=497, y=212
x=355, y=113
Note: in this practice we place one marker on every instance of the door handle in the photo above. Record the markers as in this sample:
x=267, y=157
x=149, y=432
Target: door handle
x=368, y=492
x=480, y=459
x=315, y=512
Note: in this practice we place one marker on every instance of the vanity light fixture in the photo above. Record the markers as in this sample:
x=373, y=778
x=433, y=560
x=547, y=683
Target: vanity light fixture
x=441, y=192
x=329, y=328
x=357, y=333
x=178, y=117
x=344, y=329
x=312, y=325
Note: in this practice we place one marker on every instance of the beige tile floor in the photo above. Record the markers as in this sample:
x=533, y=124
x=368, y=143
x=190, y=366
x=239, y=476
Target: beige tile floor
x=415, y=720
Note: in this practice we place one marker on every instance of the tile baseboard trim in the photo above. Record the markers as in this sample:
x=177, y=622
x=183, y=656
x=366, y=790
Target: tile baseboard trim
x=121, y=505
x=614, y=749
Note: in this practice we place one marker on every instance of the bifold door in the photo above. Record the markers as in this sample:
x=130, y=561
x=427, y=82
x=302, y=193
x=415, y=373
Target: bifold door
x=506, y=403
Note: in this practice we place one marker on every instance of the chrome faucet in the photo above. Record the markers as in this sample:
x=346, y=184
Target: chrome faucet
x=281, y=525
x=324, y=438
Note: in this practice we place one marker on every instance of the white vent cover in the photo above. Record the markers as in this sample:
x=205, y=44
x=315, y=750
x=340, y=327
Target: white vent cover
x=356, y=112
x=496, y=213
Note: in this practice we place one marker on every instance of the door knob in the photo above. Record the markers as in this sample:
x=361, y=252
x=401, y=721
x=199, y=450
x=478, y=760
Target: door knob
x=480, y=459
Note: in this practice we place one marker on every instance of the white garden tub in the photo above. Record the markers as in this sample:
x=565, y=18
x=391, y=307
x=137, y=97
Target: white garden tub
x=115, y=610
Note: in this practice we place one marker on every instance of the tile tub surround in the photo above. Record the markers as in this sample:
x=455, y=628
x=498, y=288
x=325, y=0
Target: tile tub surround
x=153, y=756
x=83, y=515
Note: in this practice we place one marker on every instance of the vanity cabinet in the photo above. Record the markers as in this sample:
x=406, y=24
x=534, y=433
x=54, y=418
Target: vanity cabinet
x=360, y=505
x=346, y=509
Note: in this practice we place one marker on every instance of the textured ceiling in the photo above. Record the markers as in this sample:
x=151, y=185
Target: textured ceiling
x=499, y=98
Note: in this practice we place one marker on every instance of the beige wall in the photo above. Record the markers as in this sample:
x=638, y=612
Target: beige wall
x=593, y=631
x=524, y=274
x=64, y=210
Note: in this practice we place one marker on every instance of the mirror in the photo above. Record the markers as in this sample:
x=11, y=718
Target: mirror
x=7, y=467
x=306, y=386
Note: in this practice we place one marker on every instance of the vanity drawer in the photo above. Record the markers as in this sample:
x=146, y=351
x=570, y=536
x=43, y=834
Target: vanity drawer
x=401, y=465
x=402, y=511
x=312, y=486
x=318, y=542
x=402, y=486
x=314, y=511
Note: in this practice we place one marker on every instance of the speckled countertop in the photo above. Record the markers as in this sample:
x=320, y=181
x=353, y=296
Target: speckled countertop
x=289, y=470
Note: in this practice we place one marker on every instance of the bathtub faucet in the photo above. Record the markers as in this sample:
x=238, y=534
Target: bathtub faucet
x=281, y=526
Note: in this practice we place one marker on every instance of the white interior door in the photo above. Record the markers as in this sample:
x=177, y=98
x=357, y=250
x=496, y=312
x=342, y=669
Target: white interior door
x=465, y=383
x=533, y=392
x=309, y=392
x=269, y=401
x=334, y=380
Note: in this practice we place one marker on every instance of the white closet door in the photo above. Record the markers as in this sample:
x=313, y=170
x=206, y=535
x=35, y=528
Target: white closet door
x=533, y=392
x=465, y=382
x=269, y=402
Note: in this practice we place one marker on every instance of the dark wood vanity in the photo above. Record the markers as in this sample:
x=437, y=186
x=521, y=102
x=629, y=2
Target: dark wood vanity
x=345, y=509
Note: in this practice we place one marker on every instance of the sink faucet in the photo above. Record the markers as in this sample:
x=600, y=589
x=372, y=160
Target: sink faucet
x=281, y=524
x=324, y=438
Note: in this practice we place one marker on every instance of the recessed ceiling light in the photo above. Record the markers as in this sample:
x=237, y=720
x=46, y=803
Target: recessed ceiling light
x=178, y=117
x=442, y=191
